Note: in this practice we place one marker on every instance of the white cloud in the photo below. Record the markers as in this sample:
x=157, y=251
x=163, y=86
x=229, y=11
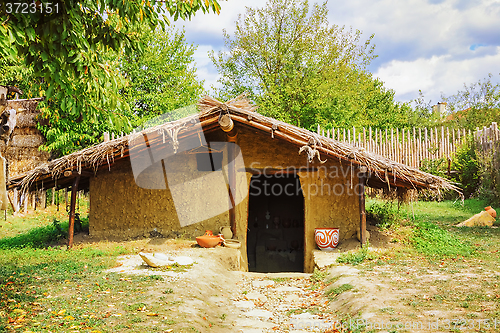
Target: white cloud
x=436, y=75
x=211, y=24
x=421, y=44
x=205, y=70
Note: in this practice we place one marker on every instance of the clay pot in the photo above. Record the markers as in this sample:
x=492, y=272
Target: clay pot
x=226, y=232
x=326, y=238
x=208, y=241
x=287, y=223
x=276, y=222
x=491, y=211
x=232, y=243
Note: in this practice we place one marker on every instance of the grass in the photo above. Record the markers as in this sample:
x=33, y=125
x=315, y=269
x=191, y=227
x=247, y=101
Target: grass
x=446, y=269
x=356, y=257
x=432, y=240
x=334, y=292
x=46, y=288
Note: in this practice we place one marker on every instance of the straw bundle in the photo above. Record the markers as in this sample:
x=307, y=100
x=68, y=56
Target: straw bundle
x=27, y=141
x=26, y=120
x=208, y=104
x=22, y=151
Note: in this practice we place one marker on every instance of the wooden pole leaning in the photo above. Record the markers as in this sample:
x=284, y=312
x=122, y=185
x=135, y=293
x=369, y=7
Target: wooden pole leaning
x=362, y=210
x=227, y=125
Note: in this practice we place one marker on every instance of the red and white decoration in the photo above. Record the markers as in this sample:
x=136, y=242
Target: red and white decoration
x=326, y=238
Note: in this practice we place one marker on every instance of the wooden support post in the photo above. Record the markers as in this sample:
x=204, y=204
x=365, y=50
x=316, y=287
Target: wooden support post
x=26, y=199
x=12, y=203
x=232, y=181
x=71, y=229
x=16, y=200
x=362, y=210
x=227, y=125
x=53, y=195
x=44, y=198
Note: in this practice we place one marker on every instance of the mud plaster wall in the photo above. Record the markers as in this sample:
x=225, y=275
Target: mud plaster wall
x=329, y=200
x=119, y=208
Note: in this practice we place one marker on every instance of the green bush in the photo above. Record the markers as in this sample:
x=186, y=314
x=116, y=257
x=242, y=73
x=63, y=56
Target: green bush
x=356, y=257
x=437, y=167
x=36, y=237
x=383, y=214
x=466, y=163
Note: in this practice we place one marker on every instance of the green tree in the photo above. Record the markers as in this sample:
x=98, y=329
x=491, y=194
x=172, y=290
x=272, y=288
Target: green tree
x=477, y=105
x=302, y=70
x=423, y=115
x=468, y=164
x=15, y=73
x=161, y=78
x=66, y=42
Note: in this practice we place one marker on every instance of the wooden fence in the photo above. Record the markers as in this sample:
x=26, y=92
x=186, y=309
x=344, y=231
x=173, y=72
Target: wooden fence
x=411, y=145
x=487, y=137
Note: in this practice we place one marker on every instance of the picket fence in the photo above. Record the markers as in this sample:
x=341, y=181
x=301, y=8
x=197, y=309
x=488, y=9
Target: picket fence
x=411, y=146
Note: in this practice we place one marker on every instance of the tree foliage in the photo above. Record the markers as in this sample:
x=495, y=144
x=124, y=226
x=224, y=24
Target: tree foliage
x=302, y=70
x=158, y=78
x=477, y=105
x=65, y=43
x=161, y=77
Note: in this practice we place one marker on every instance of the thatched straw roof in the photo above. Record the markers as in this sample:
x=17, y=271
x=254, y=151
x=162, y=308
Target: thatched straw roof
x=382, y=171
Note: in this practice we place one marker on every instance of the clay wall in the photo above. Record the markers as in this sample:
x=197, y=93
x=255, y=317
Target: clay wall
x=329, y=200
x=120, y=208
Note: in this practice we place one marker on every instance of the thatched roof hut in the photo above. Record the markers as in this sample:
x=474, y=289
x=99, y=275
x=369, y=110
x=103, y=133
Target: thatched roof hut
x=155, y=182
x=384, y=173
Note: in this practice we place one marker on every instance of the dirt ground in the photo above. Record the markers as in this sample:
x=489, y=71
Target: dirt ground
x=212, y=295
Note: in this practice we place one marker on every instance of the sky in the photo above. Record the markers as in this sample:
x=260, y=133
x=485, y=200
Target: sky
x=435, y=46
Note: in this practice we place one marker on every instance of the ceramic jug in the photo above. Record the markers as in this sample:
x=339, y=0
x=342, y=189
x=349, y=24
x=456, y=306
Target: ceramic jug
x=226, y=231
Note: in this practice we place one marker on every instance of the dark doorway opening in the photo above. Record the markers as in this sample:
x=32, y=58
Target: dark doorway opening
x=275, y=239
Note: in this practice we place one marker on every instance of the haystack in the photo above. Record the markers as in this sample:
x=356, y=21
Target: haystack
x=22, y=153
